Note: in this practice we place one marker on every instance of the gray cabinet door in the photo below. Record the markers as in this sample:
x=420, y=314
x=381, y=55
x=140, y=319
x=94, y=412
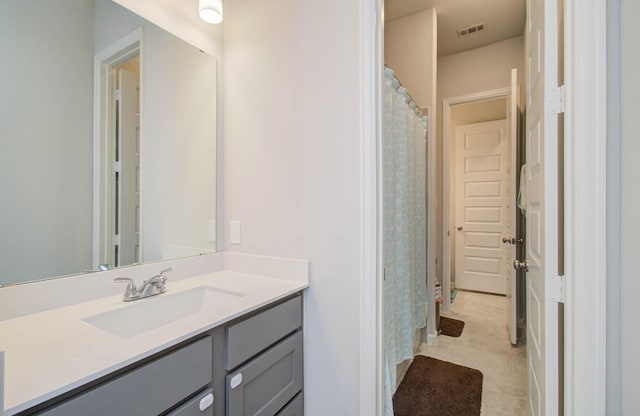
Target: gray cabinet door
x=294, y=408
x=265, y=385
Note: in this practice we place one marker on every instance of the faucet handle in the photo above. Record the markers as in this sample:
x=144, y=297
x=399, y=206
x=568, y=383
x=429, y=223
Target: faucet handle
x=158, y=278
x=131, y=291
x=161, y=277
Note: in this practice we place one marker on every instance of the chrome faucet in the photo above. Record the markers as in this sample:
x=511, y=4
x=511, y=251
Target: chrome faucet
x=154, y=285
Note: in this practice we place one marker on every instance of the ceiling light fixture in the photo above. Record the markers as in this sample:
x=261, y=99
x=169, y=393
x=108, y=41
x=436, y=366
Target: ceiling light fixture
x=210, y=11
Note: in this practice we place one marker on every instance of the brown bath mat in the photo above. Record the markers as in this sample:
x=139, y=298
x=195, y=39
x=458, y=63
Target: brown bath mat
x=451, y=327
x=438, y=388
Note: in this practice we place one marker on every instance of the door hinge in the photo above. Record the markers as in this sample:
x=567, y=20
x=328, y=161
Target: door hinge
x=117, y=166
x=117, y=95
x=116, y=240
x=556, y=289
x=556, y=100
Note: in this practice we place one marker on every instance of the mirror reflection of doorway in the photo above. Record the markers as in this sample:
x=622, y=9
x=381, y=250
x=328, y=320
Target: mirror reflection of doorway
x=125, y=184
x=117, y=149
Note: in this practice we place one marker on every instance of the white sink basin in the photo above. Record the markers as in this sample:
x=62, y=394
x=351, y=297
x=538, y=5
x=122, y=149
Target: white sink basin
x=153, y=312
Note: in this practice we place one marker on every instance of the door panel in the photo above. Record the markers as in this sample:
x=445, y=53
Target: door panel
x=129, y=155
x=482, y=218
x=513, y=115
x=542, y=207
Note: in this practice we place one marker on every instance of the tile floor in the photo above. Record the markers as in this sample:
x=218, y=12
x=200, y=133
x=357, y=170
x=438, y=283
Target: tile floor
x=484, y=345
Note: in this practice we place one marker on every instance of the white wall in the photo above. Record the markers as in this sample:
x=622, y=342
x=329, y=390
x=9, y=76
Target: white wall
x=478, y=112
x=45, y=139
x=468, y=72
x=410, y=50
x=630, y=201
x=181, y=19
x=292, y=163
x=178, y=162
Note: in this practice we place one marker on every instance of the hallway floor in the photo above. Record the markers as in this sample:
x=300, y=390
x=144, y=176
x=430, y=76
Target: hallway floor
x=484, y=345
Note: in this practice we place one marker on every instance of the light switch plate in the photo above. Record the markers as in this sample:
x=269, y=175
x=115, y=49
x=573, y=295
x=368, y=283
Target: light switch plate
x=235, y=228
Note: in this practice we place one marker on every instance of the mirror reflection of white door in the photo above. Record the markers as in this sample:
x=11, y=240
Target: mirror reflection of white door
x=127, y=166
x=541, y=143
x=482, y=189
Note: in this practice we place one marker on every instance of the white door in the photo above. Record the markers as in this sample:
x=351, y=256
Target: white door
x=513, y=114
x=127, y=175
x=482, y=161
x=542, y=206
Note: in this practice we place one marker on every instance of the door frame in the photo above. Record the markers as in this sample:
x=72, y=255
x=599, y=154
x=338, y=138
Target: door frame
x=104, y=61
x=371, y=374
x=430, y=332
x=447, y=103
x=585, y=196
x=585, y=179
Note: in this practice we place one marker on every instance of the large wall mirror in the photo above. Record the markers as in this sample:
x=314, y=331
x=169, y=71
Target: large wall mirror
x=107, y=141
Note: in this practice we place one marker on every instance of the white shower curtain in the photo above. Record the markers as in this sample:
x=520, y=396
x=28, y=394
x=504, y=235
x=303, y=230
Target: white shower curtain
x=404, y=179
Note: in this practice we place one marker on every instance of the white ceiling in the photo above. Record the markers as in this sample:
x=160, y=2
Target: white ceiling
x=503, y=19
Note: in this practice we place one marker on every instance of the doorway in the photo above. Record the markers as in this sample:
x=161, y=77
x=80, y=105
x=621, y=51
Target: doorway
x=117, y=135
x=489, y=201
x=495, y=241
x=585, y=187
x=480, y=197
x=123, y=206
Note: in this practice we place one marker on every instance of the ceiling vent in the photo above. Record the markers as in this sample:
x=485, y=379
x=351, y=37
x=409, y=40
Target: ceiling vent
x=471, y=30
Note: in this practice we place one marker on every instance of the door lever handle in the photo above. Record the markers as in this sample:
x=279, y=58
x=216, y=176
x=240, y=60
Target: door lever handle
x=512, y=240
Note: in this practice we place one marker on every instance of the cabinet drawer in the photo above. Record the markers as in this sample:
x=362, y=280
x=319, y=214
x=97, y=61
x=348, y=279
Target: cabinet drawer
x=264, y=385
x=192, y=407
x=251, y=336
x=147, y=390
x=294, y=408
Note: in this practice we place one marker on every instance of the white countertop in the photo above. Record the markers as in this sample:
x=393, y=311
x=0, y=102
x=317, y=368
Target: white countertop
x=52, y=352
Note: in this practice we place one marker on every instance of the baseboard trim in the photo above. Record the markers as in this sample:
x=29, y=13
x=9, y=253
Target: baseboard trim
x=432, y=338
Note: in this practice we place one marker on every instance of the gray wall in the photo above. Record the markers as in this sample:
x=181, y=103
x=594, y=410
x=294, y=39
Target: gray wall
x=45, y=138
x=613, y=387
x=629, y=205
x=623, y=200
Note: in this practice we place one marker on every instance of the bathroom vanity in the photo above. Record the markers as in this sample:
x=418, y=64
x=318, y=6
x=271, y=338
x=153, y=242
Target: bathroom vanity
x=220, y=343
x=254, y=362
